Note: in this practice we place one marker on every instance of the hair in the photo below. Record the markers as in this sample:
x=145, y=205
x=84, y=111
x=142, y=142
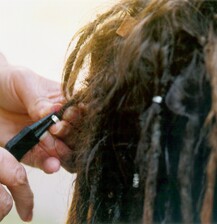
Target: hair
x=145, y=149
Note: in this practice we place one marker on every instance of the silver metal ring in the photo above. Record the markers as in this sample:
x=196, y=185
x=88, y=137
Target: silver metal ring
x=157, y=99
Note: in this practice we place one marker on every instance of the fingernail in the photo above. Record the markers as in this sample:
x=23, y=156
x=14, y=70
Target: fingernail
x=29, y=217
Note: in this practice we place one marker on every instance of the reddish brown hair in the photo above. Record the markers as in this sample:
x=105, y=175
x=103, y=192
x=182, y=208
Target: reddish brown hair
x=139, y=159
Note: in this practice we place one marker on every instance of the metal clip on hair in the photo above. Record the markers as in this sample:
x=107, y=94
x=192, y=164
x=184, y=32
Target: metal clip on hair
x=157, y=99
x=136, y=180
x=126, y=26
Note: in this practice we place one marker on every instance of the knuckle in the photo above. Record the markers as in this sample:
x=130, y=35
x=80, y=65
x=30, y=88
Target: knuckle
x=20, y=176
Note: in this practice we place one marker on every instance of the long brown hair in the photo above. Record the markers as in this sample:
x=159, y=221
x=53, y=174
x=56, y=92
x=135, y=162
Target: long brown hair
x=145, y=149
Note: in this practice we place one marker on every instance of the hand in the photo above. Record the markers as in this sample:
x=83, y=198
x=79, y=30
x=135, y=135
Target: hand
x=25, y=97
x=13, y=175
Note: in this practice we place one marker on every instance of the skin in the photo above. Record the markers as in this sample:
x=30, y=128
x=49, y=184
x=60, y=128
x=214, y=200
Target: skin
x=26, y=97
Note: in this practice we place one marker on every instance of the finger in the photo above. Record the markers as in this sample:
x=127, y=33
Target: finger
x=66, y=156
x=51, y=165
x=38, y=157
x=48, y=107
x=13, y=175
x=63, y=128
x=73, y=114
x=45, y=97
x=46, y=162
x=56, y=148
x=51, y=90
x=23, y=200
x=6, y=202
x=48, y=154
x=60, y=129
x=44, y=108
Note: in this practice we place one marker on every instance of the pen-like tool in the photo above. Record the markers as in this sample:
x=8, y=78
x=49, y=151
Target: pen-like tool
x=20, y=144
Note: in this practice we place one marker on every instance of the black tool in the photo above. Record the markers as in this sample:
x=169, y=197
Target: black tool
x=20, y=144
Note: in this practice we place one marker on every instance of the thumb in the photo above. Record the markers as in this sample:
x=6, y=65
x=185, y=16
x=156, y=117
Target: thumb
x=38, y=94
x=42, y=108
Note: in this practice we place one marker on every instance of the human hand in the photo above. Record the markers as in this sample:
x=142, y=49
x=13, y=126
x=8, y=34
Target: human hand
x=24, y=98
x=13, y=176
